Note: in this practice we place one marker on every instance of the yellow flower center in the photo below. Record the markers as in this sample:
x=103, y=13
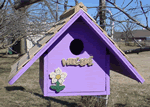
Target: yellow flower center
x=57, y=76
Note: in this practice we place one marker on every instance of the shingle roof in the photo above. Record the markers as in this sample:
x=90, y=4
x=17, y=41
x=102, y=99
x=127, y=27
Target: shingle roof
x=141, y=33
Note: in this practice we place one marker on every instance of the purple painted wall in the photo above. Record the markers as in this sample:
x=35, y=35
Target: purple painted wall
x=80, y=80
x=41, y=71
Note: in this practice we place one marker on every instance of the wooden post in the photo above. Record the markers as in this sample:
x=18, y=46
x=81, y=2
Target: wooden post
x=23, y=46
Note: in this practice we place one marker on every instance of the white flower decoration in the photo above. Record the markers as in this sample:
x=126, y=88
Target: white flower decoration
x=58, y=75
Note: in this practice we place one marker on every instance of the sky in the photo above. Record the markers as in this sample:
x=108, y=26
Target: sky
x=92, y=12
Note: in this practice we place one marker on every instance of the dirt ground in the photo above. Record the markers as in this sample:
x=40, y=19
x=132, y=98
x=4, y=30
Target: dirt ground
x=26, y=92
x=127, y=92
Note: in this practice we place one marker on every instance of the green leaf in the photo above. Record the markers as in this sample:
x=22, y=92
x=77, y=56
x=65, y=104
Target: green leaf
x=57, y=83
x=53, y=87
x=61, y=87
x=57, y=89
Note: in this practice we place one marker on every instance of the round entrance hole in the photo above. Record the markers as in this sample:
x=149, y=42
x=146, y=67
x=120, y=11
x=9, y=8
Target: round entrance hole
x=76, y=46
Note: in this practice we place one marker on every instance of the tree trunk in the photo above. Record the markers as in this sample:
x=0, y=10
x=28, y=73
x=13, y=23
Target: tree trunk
x=102, y=14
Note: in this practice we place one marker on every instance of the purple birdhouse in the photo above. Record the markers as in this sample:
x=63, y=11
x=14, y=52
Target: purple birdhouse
x=76, y=57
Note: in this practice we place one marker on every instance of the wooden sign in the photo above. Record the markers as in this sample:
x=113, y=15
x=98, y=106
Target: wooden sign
x=74, y=61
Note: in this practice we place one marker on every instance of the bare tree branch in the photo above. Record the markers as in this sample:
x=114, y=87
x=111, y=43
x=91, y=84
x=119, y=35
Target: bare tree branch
x=140, y=14
x=114, y=1
x=138, y=23
x=128, y=4
x=65, y=5
x=2, y=19
x=125, y=11
x=2, y=4
x=19, y=38
x=144, y=13
x=24, y=22
x=128, y=31
x=86, y=6
x=76, y=2
x=123, y=3
x=47, y=4
x=136, y=2
x=22, y=3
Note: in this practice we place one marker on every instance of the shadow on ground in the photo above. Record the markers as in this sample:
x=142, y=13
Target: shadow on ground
x=14, y=88
x=120, y=105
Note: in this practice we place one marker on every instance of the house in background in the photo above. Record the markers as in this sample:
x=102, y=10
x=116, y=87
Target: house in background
x=139, y=35
x=142, y=36
x=34, y=38
x=31, y=39
x=16, y=48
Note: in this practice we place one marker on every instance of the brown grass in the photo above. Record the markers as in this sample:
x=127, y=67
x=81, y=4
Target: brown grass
x=26, y=92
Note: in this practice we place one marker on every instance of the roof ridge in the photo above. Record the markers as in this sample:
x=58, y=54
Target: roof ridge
x=73, y=10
